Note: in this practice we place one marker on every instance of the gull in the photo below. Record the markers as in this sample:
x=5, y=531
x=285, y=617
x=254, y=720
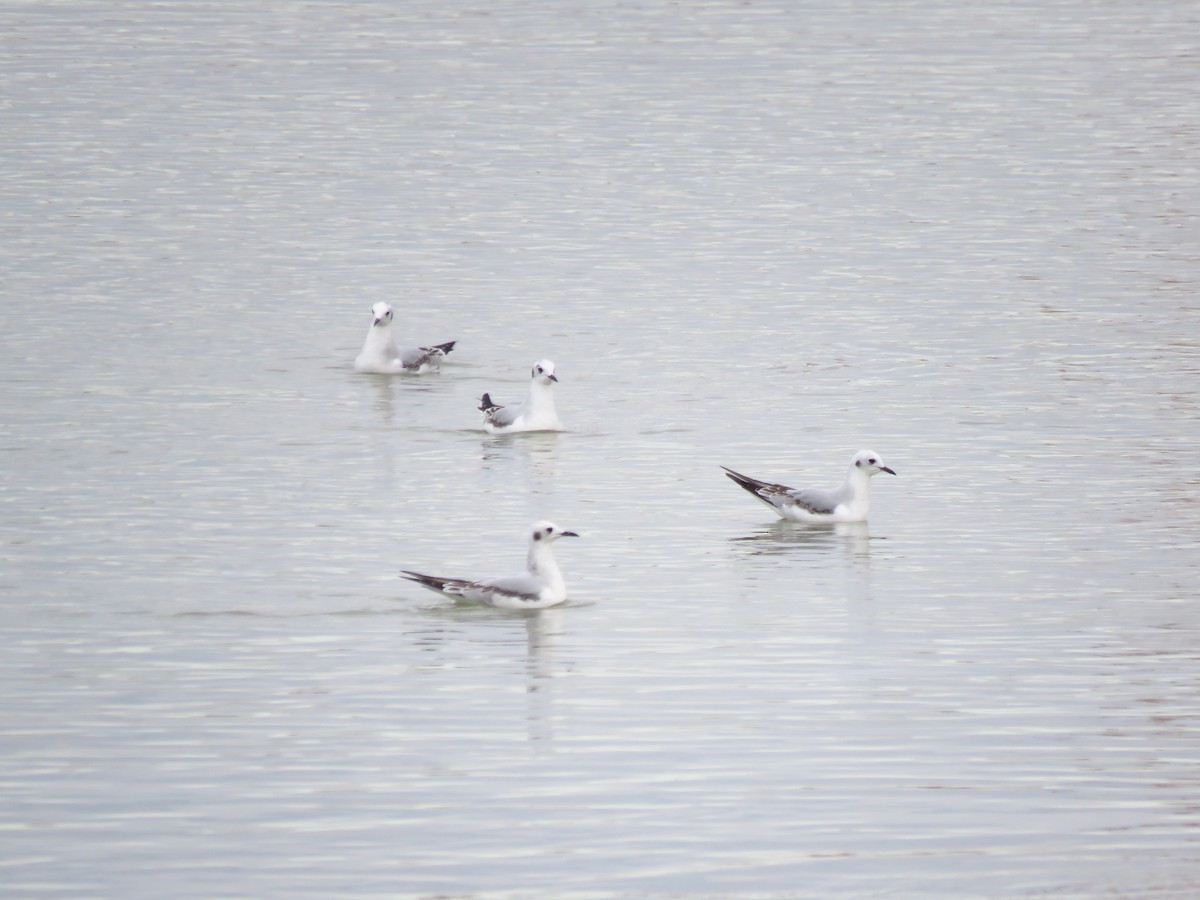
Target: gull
x=848, y=503
x=535, y=414
x=381, y=356
x=542, y=584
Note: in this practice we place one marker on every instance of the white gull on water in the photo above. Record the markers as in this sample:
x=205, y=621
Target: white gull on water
x=542, y=584
x=537, y=413
x=381, y=356
x=848, y=503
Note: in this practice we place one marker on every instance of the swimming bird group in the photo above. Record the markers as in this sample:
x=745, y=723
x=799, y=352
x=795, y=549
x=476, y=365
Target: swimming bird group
x=381, y=355
x=542, y=583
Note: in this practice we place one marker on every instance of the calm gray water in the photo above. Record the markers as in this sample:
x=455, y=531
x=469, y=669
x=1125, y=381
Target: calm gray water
x=759, y=234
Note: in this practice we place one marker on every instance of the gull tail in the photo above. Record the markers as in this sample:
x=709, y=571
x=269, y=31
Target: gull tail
x=745, y=482
x=439, y=350
x=441, y=585
x=775, y=496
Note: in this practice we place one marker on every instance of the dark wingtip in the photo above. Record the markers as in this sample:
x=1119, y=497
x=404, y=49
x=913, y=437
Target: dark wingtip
x=446, y=347
x=744, y=482
x=485, y=403
x=427, y=581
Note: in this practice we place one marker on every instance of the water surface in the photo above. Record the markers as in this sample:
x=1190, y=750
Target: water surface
x=759, y=235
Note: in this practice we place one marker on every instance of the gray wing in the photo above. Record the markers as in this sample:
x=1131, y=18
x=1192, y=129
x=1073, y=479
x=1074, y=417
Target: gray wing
x=515, y=589
x=513, y=592
x=501, y=416
x=815, y=500
x=415, y=357
x=450, y=586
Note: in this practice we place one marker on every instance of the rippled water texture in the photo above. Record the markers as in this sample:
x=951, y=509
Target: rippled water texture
x=763, y=235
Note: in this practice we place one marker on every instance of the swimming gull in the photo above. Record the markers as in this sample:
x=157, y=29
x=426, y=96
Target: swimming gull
x=537, y=413
x=381, y=356
x=848, y=503
x=542, y=584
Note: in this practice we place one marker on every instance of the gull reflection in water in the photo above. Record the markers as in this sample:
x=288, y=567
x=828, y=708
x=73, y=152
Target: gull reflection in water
x=542, y=628
x=465, y=622
x=384, y=387
x=385, y=398
x=788, y=537
x=529, y=455
x=848, y=541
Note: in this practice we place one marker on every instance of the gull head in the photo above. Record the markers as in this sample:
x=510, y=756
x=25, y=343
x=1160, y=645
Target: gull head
x=382, y=313
x=543, y=371
x=870, y=462
x=548, y=532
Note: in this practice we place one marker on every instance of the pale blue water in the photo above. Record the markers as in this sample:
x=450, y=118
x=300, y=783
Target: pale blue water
x=759, y=235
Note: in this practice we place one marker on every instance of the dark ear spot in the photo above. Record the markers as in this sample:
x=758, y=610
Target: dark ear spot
x=537, y=535
x=858, y=463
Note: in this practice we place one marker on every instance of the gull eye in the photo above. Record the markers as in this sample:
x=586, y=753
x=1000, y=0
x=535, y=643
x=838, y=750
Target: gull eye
x=871, y=461
x=550, y=530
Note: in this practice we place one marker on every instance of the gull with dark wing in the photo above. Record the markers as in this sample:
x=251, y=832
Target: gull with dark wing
x=848, y=503
x=542, y=584
x=382, y=356
x=537, y=413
